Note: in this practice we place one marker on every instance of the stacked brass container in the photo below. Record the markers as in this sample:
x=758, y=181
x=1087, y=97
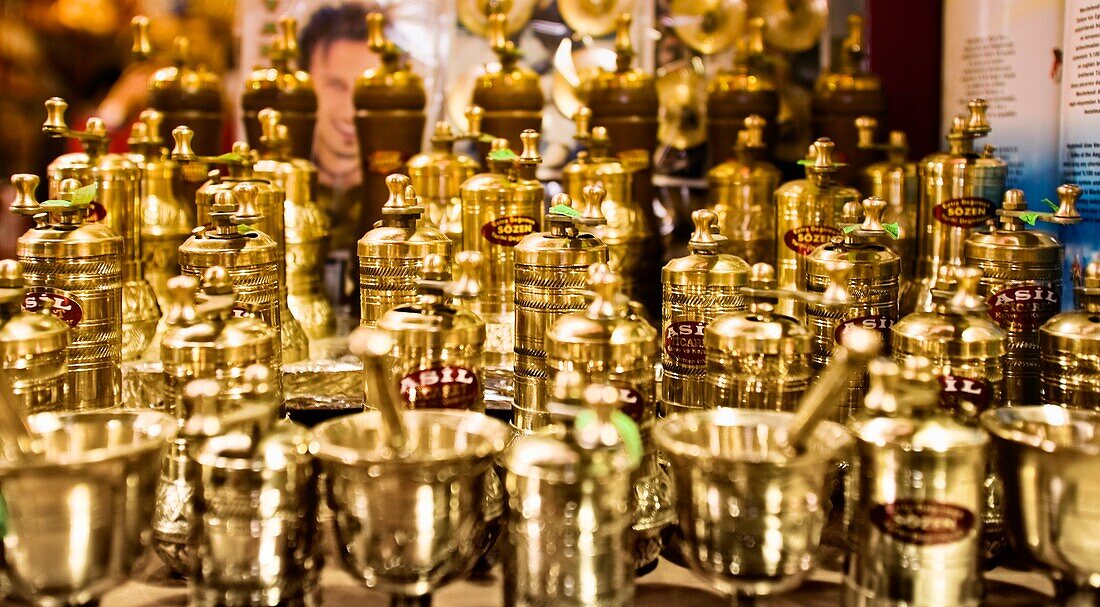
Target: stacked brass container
x=844, y=93
x=697, y=288
x=808, y=215
x=389, y=118
x=958, y=193
x=509, y=93
x=250, y=256
x=735, y=94
x=33, y=346
x=1022, y=284
x=284, y=89
x=116, y=204
x=437, y=175
x=391, y=255
x=625, y=232
x=872, y=285
x=1070, y=348
x=965, y=348
x=166, y=218
x=741, y=194
x=499, y=209
x=306, y=226
x=608, y=343
x=437, y=343
x=204, y=341
x=184, y=93
x=894, y=180
x=265, y=201
x=75, y=267
x=551, y=281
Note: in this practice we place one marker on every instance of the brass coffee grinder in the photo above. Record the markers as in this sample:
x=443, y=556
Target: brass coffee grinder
x=748, y=89
x=437, y=175
x=33, y=346
x=116, y=204
x=1069, y=346
x=741, y=195
x=74, y=267
x=285, y=89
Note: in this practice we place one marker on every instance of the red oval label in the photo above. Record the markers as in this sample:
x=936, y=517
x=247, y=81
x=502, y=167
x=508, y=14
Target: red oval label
x=923, y=522
x=803, y=240
x=96, y=212
x=60, y=304
x=631, y=402
x=684, y=342
x=1024, y=308
x=878, y=323
x=384, y=162
x=445, y=387
x=967, y=212
x=508, y=230
x=964, y=395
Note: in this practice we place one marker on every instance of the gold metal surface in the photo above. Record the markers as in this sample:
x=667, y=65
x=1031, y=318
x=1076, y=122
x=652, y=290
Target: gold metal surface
x=708, y=26
x=33, y=347
x=74, y=268
x=895, y=181
x=476, y=15
x=437, y=175
x=793, y=25
x=594, y=18
x=742, y=197
x=1069, y=344
x=284, y=88
x=574, y=72
x=747, y=88
x=682, y=119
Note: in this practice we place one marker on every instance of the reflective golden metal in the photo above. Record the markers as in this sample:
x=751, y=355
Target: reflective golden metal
x=33, y=347
x=285, y=89
x=437, y=175
x=741, y=195
x=117, y=204
x=682, y=116
x=551, y=281
x=594, y=18
x=391, y=255
x=733, y=95
x=74, y=268
x=1022, y=284
x=697, y=288
x=475, y=15
x=708, y=26
x=793, y=26
x=1069, y=344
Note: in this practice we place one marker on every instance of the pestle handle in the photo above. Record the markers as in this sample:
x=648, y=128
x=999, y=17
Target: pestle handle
x=373, y=346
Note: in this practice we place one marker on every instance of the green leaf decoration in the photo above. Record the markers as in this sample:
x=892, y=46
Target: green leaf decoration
x=1029, y=217
x=486, y=138
x=561, y=209
x=893, y=229
x=850, y=229
x=229, y=158
x=245, y=229
x=502, y=155
x=807, y=162
x=56, y=203
x=85, y=195
x=1053, y=207
x=624, y=426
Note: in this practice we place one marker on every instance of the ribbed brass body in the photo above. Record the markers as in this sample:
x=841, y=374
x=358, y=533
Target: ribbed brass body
x=391, y=255
x=741, y=194
x=608, y=343
x=78, y=267
x=551, y=275
x=33, y=347
x=499, y=209
x=1069, y=344
x=894, y=180
x=437, y=175
x=697, y=288
x=808, y=214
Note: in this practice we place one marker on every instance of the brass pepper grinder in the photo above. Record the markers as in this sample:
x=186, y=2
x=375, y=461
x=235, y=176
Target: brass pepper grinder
x=966, y=348
x=894, y=180
x=305, y=223
x=391, y=255
x=551, y=281
x=285, y=89
x=741, y=195
x=249, y=256
x=697, y=288
x=33, y=346
x=1022, y=283
x=389, y=118
x=509, y=93
x=1069, y=344
x=184, y=93
x=808, y=215
x=758, y=359
x=437, y=342
x=735, y=94
x=116, y=204
x=437, y=175
x=166, y=218
x=205, y=341
x=608, y=344
x=499, y=209
x=844, y=93
x=569, y=521
x=920, y=494
x=265, y=201
x=76, y=266
x=872, y=285
x=958, y=193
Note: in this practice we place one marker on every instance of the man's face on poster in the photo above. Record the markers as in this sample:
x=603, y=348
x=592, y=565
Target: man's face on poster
x=335, y=67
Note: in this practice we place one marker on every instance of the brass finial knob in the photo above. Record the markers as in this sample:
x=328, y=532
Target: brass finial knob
x=607, y=286
x=583, y=121
x=762, y=276
x=592, y=210
x=152, y=119
x=442, y=131
x=966, y=296
x=181, y=51
x=286, y=40
x=474, y=114
x=467, y=281
x=201, y=397
x=434, y=267
x=568, y=386
x=55, y=117
x=25, y=202
x=182, y=151
x=754, y=37
x=498, y=144
x=866, y=126
x=977, y=123
x=376, y=33
x=241, y=149
x=702, y=239
x=873, y=208
x=216, y=281
x=141, y=48
x=840, y=273
x=259, y=380
x=1014, y=200
x=225, y=203
x=754, y=131
x=624, y=47
x=823, y=155
x=1068, y=194
x=530, y=155
x=246, y=194
x=181, y=301
x=853, y=43
x=851, y=212
x=11, y=274
x=397, y=184
x=496, y=31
